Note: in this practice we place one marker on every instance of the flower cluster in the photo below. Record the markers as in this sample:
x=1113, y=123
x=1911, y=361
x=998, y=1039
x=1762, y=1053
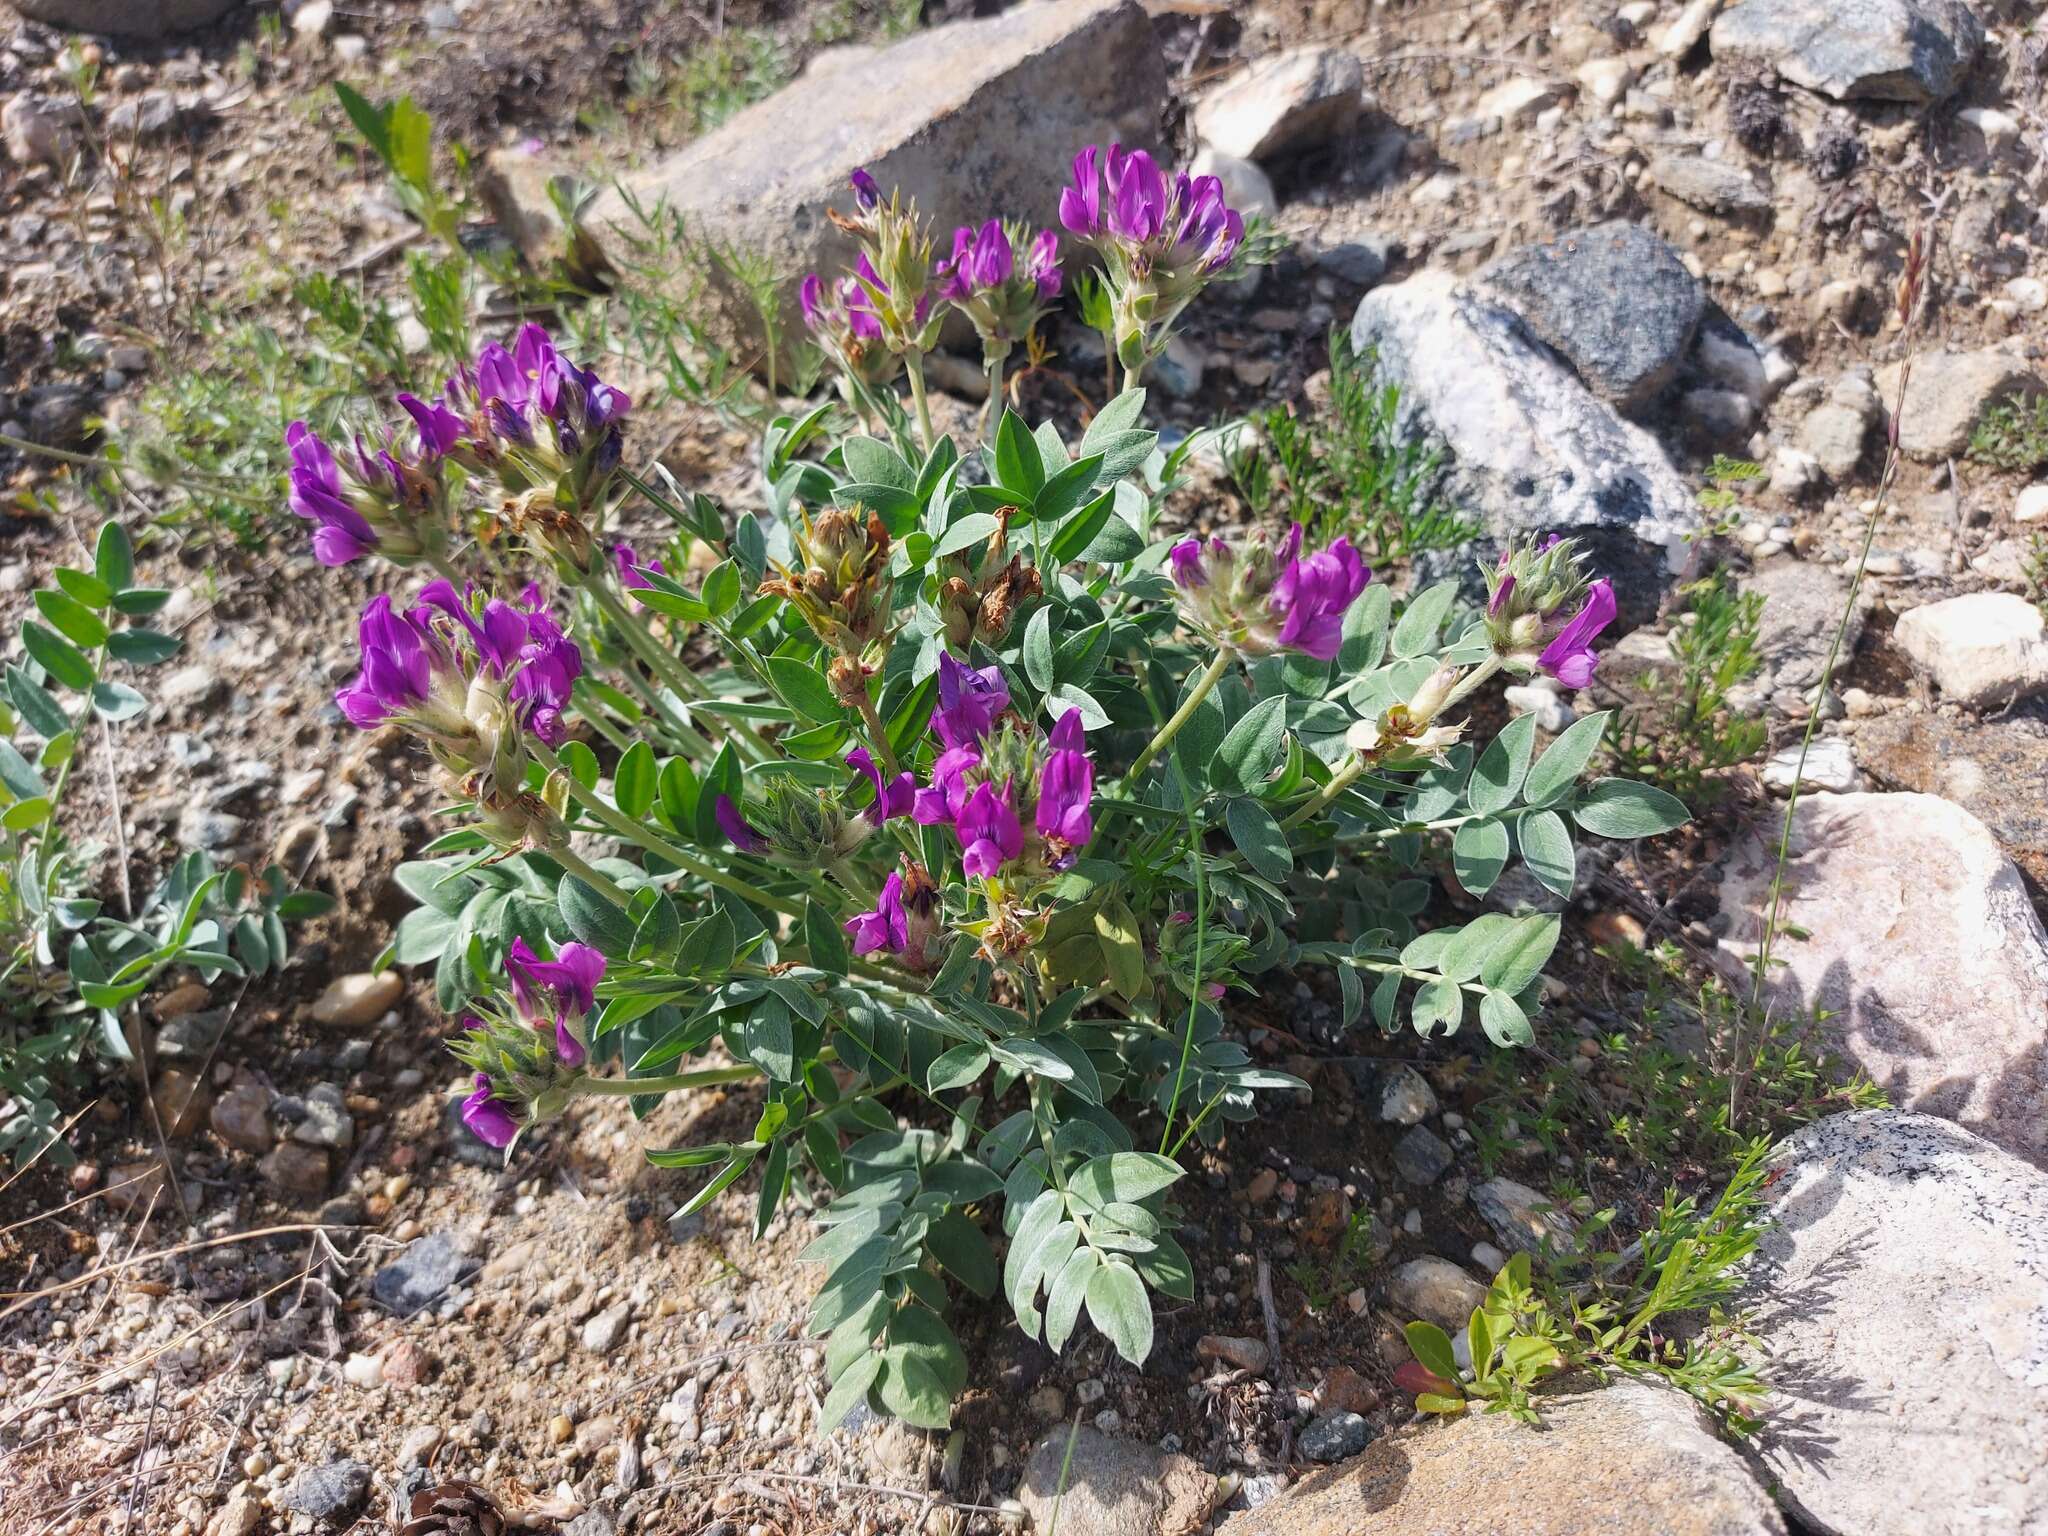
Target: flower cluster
x=1001, y=277
x=532, y=1058
x=471, y=677
x=892, y=282
x=1259, y=600
x=1528, y=593
x=842, y=588
x=538, y=422
x=1161, y=241
x=843, y=319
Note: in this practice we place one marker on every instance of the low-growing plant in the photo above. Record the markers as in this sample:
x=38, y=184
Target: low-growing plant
x=69, y=966
x=1346, y=469
x=1685, y=733
x=2013, y=434
x=1654, y=1310
x=987, y=795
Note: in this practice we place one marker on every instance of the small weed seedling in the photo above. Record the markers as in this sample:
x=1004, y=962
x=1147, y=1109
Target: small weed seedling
x=1685, y=734
x=2013, y=435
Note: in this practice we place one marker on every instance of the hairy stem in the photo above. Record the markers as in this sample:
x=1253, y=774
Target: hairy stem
x=1211, y=676
x=591, y=876
x=626, y=1087
x=913, y=369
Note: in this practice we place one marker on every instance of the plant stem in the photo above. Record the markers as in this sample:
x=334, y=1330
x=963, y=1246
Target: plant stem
x=633, y=832
x=591, y=876
x=1187, y=1039
x=880, y=736
x=995, y=398
x=678, y=678
x=1340, y=781
x=1470, y=682
x=1210, y=677
x=913, y=369
x=626, y=1087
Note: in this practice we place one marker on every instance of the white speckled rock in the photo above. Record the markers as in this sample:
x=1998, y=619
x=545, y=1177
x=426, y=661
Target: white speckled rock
x=1902, y=1294
x=1291, y=101
x=1905, y=919
x=1984, y=649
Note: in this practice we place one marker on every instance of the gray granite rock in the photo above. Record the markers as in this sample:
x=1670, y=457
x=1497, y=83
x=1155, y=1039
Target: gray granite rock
x=1904, y=920
x=1528, y=448
x=1717, y=186
x=1901, y=1288
x=125, y=18
x=1113, y=1487
x=327, y=1492
x=420, y=1274
x=1613, y=300
x=1884, y=50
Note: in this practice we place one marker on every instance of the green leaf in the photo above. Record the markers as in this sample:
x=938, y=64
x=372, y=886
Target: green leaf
x=803, y=686
x=774, y=1185
x=1479, y=852
x=593, y=920
x=1423, y=619
x=1080, y=531
x=912, y=1391
x=58, y=657
x=677, y=784
x=1503, y=1020
x=1019, y=466
x=1064, y=1296
x=1365, y=631
x=1038, y=653
x=76, y=622
x=1120, y=1309
x=89, y=590
x=1547, y=849
x=1623, y=808
x=24, y=814
x=634, y=781
x=368, y=119
x=1123, y=1176
x=1123, y=951
x=1259, y=838
x=1517, y=958
x=1064, y=491
x=20, y=779
x=1124, y=413
x=37, y=708
x=1254, y=748
x=1565, y=759
x=113, y=557
x=963, y=1248
x=974, y=528
x=956, y=1068
x=581, y=762
x=824, y=938
x=1066, y=696
x=141, y=602
x=140, y=647
x=116, y=701
x=1437, y=1002
x=1432, y=1346
x=1497, y=776
x=873, y=462
x=850, y=1390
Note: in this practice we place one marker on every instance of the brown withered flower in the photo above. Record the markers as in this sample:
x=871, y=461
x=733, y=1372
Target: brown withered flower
x=842, y=589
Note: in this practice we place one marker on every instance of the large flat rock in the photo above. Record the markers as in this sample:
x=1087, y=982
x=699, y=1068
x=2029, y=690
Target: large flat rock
x=1631, y=1459
x=1884, y=50
x=1995, y=768
x=1904, y=918
x=1528, y=448
x=974, y=120
x=1901, y=1292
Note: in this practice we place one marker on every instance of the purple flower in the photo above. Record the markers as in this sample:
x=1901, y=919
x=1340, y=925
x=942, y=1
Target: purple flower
x=1042, y=265
x=1569, y=657
x=988, y=829
x=981, y=259
x=340, y=532
x=440, y=428
x=400, y=656
x=1184, y=224
x=491, y=1119
x=549, y=664
x=1081, y=203
x=861, y=318
x=969, y=701
x=867, y=193
x=888, y=926
x=940, y=804
x=812, y=297
x=497, y=635
x=1066, y=786
x=1311, y=595
x=1186, y=560
x=632, y=570
x=566, y=984
x=734, y=825
x=1501, y=594
x=893, y=797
